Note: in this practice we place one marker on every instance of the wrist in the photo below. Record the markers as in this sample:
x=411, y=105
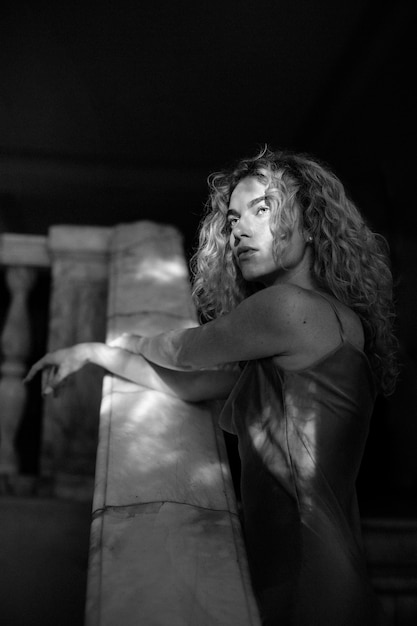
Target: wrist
x=91, y=352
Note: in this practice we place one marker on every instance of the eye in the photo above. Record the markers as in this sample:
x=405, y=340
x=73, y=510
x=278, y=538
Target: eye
x=262, y=209
x=232, y=220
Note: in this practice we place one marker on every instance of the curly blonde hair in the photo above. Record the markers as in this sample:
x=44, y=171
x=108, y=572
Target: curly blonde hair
x=349, y=261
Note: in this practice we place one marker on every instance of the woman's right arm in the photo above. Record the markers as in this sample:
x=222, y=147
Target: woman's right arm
x=192, y=386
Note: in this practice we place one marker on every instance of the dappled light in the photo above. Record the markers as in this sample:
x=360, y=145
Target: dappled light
x=161, y=270
x=160, y=449
x=302, y=427
x=290, y=443
x=208, y=474
x=164, y=541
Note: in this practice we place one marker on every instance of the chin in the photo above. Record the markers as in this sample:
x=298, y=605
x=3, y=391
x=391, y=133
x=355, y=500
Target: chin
x=250, y=278
x=254, y=282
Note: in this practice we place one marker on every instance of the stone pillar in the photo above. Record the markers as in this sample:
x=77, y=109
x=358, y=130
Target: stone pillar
x=15, y=347
x=79, y=260
x=166, y=542
x=22, y=256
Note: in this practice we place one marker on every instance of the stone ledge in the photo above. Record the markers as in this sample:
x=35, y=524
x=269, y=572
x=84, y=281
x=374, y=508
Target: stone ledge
x=26, y=250
x=185, y=552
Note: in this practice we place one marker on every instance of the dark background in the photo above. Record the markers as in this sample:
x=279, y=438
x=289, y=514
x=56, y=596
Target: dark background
x=117, y=111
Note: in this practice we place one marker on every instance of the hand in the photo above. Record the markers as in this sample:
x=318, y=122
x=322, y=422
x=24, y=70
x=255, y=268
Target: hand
x=56, y=366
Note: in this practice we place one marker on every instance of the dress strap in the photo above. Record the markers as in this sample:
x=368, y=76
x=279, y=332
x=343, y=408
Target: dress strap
x=336, y=312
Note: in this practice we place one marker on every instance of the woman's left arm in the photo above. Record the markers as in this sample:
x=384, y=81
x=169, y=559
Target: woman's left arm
x=190, y=386
x=264, y=324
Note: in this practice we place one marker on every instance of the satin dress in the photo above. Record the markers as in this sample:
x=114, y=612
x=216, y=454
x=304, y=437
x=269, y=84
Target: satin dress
x=301, y=437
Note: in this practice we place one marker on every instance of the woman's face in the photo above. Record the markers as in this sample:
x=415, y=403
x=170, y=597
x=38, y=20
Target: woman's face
x=251, y=239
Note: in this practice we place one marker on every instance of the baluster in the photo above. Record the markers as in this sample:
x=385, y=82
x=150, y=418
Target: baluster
x=79, y=264
x=15, y=346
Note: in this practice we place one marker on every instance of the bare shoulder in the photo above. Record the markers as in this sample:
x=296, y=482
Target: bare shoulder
x=316, y=327
x=286, y=321
x=294, y=304
x=350, y=322
x=286, y=303
x=325, y=317
x=285, y=312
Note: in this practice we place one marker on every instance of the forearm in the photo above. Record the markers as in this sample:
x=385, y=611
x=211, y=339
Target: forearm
x=191, y=386
x=113, y=359
x=184, y=350
x=164, y=350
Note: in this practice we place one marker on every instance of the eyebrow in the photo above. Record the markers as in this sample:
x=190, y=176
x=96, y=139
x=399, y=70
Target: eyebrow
x=250, y=205
x=256, y=201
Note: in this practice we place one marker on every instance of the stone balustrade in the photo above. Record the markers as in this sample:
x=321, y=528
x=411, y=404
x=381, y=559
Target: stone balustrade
x=22, y=257
x=76, y=258
x=166, y=542
x=77, y=313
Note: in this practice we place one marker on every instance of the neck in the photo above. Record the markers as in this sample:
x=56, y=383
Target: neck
x=300, y=275
x=299, y=278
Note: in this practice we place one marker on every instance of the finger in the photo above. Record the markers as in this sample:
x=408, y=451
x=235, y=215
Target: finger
x=37, y=367
x=47, y=381
x=50, y=380
x=55, y=377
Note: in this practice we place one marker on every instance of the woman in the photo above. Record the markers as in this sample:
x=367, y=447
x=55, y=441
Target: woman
x=296, y=292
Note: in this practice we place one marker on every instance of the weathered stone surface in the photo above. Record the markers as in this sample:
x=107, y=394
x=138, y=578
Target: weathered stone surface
x=166, y=563
x=28, y=250
x=79, y=264
x=161, y=448
x=152, y=275
x=166, y=543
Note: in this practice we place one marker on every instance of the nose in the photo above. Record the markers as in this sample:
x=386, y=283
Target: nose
x=242, y=228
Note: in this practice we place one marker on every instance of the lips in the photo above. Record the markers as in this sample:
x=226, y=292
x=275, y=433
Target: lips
x=244, y=252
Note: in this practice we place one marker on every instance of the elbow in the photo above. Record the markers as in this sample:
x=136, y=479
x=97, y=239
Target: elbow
x=183, y=360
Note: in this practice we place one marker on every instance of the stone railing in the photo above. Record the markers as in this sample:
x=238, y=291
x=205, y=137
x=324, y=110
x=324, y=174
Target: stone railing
x=76, y=259
x=77, y=312
x=166, y=541
x=22, y=258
